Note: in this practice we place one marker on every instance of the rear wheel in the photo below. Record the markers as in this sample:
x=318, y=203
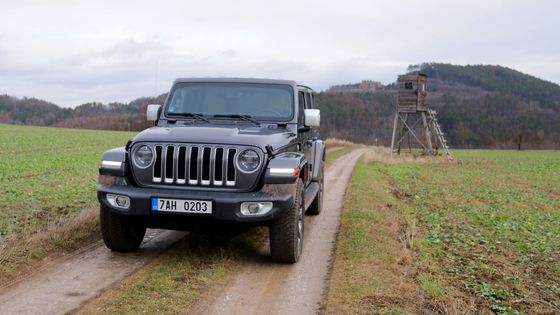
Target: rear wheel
x=286, y=233
x=121, y=233
x=317, y=205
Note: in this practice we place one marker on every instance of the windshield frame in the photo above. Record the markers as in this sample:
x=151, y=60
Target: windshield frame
x=177, y=116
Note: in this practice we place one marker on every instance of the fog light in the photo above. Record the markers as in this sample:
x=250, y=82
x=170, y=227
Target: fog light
x=118, y=201
x=123, y=201
x=255, y=208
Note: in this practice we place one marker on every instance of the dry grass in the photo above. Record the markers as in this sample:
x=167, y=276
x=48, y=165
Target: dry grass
x=18, y=256
x=333, y=142
x=383, y=155
x=192, y=270
x=374, y=270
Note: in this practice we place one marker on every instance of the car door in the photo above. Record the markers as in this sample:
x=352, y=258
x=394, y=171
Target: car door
x=315, y=150
x=304, y=133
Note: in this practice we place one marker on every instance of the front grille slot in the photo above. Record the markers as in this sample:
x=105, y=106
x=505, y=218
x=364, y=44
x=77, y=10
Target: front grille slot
x=192, y=165
x=157, y=164
x=230, y=177
x=219, y=167
x=169, y=163
x=206, y=166
x=181, y=165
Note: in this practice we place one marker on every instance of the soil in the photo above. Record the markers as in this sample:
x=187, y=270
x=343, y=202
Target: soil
x=66, y=284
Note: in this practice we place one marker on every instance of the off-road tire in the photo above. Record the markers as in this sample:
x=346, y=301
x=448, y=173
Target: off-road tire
x=121, y=233
x=286, y=233
x=317, y=205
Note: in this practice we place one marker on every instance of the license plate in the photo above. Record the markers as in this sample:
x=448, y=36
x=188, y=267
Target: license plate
x=181, y=206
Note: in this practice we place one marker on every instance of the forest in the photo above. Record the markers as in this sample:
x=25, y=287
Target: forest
x=479, y=106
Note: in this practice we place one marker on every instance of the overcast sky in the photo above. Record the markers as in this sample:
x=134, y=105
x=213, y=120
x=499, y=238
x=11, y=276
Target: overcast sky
x=71, y=52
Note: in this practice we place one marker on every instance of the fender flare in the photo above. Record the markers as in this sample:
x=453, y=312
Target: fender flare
x=278, y=168
x=114, y=155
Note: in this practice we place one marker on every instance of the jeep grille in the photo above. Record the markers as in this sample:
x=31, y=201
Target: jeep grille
x=194, y=165
x=197, y=165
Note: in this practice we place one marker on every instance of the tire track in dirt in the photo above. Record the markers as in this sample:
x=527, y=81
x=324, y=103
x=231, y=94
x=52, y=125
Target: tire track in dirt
x=265, y=287
x=67, y=283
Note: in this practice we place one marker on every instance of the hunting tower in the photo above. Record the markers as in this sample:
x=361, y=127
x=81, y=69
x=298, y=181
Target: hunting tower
x=413, y=117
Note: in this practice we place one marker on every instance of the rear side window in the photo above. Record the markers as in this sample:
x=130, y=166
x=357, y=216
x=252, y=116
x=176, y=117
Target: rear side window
x=301, y=106
x=308, y=101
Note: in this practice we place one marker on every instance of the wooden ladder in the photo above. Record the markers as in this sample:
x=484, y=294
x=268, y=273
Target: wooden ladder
x=434, y=125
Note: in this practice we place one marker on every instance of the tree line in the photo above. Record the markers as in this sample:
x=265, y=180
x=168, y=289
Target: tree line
x=478, y=107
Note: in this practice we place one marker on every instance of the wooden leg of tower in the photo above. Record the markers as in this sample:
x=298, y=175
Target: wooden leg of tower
x=394, y=132
x=428, y=133
x=408, y=131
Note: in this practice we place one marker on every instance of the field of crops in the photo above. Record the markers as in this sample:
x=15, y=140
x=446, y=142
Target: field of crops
x=484, y=233
x=47, y=175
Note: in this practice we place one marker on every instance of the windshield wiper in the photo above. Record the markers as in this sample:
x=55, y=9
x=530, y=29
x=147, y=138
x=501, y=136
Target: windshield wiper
x=242, y=117
x=193, y=115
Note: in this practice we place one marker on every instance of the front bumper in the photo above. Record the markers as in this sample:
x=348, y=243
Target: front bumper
x=225, y=205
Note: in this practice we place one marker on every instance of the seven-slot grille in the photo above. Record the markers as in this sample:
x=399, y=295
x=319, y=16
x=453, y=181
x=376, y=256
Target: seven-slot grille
x=194, y=165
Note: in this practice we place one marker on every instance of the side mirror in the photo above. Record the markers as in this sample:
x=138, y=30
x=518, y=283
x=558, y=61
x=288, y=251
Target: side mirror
x=153, y=111
x=312, y=117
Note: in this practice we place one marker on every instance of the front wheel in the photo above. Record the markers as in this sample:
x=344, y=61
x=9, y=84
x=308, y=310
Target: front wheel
x=121, y=233
x=286, y=233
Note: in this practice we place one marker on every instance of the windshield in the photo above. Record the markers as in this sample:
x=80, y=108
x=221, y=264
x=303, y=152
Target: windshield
x=260, y=101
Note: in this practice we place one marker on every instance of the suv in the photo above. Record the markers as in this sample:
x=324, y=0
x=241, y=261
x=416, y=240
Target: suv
x=223, y=151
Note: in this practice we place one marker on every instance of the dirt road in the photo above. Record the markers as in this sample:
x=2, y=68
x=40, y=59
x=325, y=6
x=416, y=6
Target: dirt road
x=64, y=285
x=263, y=287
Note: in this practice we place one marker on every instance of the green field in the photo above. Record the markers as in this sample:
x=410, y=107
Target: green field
x=481, y=234
x=47, y=175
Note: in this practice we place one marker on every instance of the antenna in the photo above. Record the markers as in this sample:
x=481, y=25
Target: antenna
x=156, y=78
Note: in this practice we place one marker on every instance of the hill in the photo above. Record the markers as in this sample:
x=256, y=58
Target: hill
x=479, y=106
x=112, y=116
x=491, y=79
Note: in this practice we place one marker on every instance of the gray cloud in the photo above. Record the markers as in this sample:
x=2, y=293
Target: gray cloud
x=72, y=52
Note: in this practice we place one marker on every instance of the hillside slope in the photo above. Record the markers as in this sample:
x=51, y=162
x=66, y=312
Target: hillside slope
x=479, y=107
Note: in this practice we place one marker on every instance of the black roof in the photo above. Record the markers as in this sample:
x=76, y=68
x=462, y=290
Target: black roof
x=241, y=80
x=236, y=80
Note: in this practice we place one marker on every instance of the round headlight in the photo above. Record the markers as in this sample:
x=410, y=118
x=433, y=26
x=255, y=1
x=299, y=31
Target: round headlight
x=248, y=161
x=143, y=156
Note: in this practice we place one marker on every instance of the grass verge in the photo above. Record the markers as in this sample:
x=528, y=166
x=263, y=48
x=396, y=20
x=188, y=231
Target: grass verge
x=373, y=271
x=483, y=232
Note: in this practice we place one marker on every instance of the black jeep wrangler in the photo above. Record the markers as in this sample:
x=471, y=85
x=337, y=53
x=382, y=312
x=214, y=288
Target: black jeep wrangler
x=235, y=151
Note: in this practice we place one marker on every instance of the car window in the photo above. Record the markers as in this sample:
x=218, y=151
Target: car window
x=308, y=100
x=261, y=101
x=301, y=101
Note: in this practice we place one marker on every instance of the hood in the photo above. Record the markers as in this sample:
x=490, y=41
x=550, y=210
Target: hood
x=211, y=134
